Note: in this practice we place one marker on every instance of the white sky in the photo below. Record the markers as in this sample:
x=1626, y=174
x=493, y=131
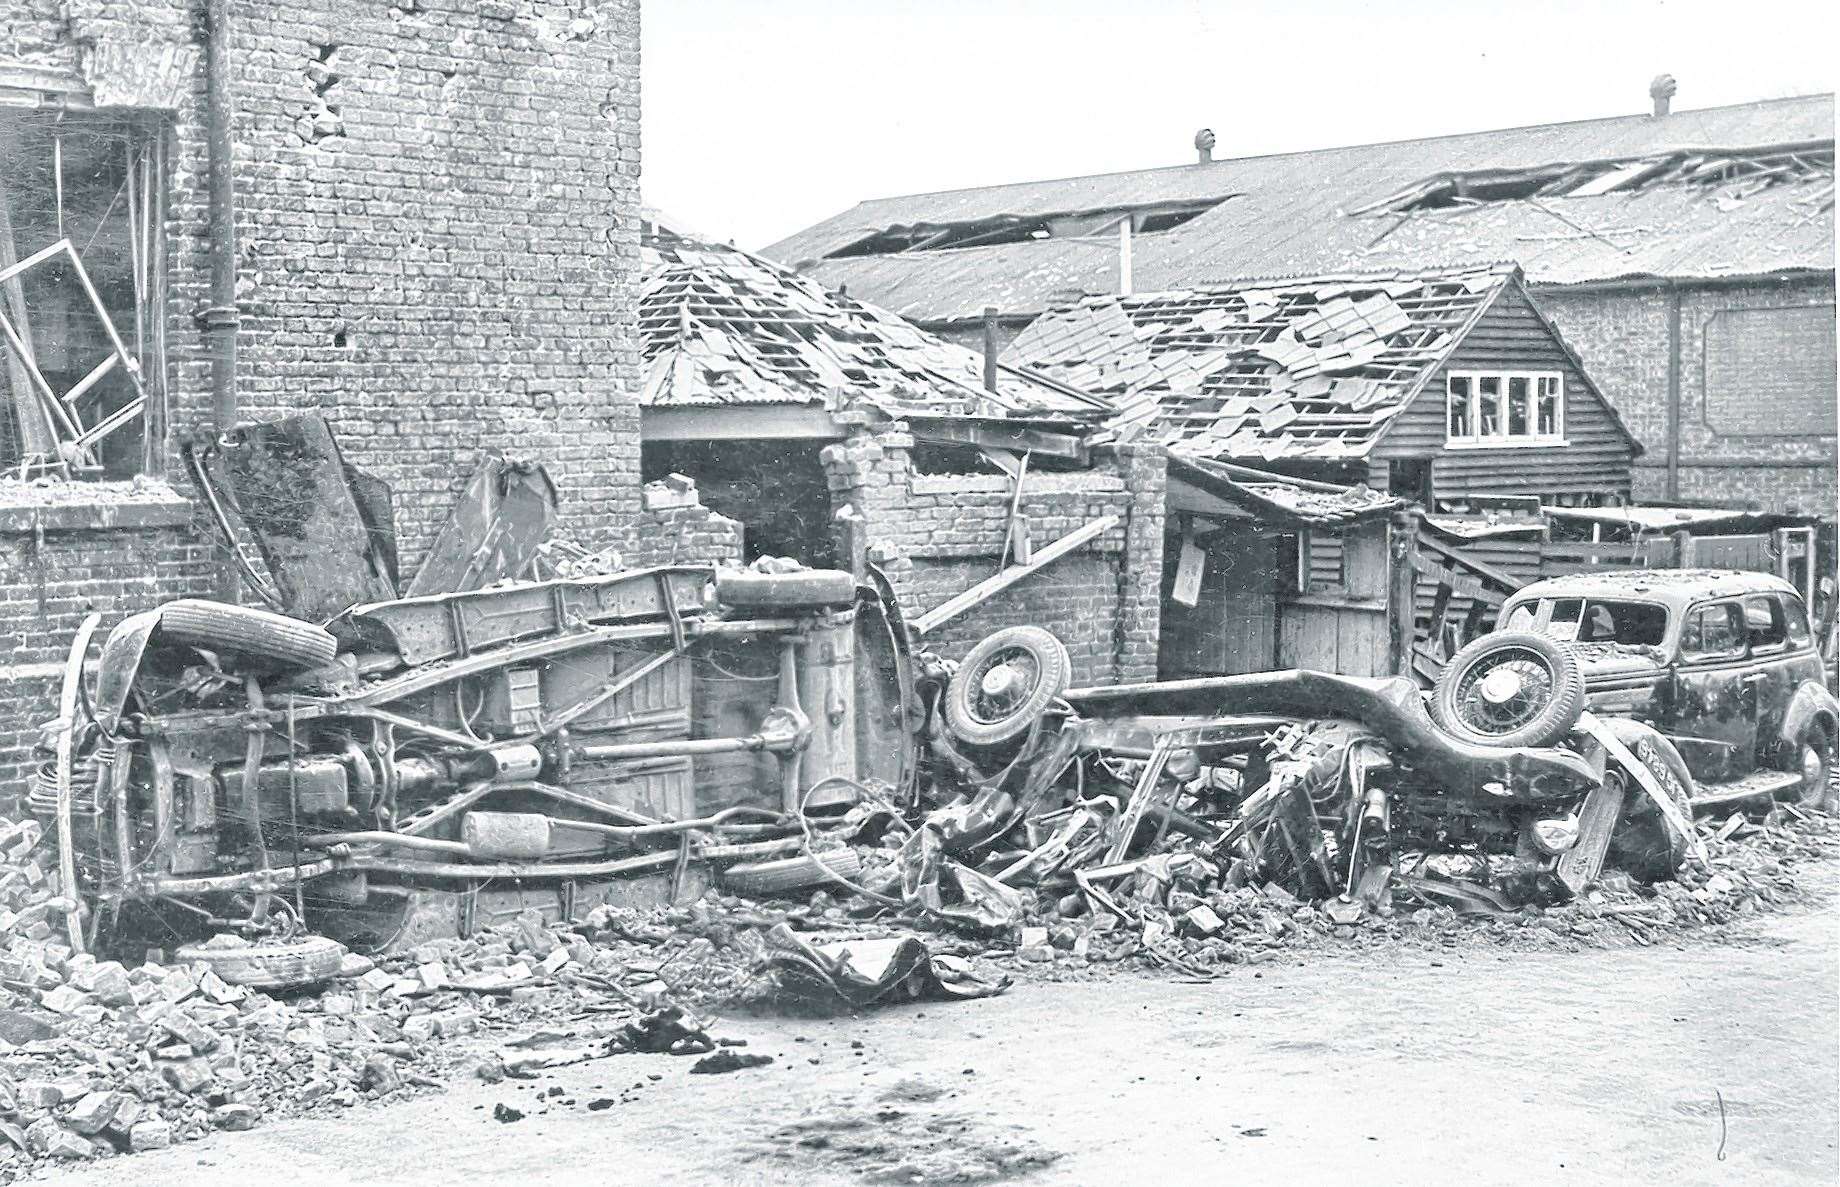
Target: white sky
x=764, y=116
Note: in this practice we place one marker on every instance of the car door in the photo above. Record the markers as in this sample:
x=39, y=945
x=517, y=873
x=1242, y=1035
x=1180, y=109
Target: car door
x=1775, y=660
x=1715, y=695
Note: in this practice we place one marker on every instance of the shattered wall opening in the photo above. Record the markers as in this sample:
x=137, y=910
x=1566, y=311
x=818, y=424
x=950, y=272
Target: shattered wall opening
x=84, y=338
x=775, y=489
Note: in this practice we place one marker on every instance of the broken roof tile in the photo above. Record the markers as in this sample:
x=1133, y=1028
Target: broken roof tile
x=1333, y=360
x=721, y=326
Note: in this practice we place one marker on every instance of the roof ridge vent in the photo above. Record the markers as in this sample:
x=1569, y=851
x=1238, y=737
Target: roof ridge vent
x=1661, y=90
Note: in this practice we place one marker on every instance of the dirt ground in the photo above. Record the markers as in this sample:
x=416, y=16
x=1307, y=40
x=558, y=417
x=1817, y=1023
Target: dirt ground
x=1700, y=1063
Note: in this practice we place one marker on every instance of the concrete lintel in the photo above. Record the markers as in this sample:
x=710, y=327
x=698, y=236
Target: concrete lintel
x=91, y=507
x=739, y=422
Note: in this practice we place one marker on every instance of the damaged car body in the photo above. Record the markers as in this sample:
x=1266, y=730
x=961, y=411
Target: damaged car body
x=1722, y=662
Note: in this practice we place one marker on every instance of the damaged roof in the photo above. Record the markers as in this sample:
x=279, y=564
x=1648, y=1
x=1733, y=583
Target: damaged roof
x=1274, y=498
x=720, y=326
x=1682, y=195
x=1259, y=369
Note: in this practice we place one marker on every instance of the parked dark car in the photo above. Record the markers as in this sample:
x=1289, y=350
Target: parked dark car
x=1723, y=663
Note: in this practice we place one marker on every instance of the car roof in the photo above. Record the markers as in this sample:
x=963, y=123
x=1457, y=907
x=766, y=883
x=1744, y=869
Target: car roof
x=1675, y=587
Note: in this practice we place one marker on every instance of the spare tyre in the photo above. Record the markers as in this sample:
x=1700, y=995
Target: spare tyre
x=1004, y=684
x=246, y=631
x=269, y=964
x=1512, y=688
x=745, y=588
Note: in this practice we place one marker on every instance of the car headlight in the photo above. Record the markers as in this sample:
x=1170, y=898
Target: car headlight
x=1554, y=836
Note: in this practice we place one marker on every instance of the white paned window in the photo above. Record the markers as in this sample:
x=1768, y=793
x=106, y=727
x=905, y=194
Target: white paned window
x=1504, y=409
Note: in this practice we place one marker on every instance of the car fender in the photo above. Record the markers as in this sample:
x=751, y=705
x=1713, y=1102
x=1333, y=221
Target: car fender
x=120, y=664
x=1810, y=704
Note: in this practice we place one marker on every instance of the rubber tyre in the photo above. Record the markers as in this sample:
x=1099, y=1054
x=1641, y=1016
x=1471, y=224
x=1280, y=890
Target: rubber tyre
x=744, y=588
x=275, y=964
x=246, y=631
x=1643, y=846
x=1816, y=791
x=792, y=873
x=1553, y=721
x=1051, y=662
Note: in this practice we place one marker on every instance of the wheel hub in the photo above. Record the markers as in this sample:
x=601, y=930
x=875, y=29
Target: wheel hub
x=1500, y=686
x=1811, y=767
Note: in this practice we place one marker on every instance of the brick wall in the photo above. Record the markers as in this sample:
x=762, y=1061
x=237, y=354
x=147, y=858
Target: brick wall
x=118, y=551
x=673, y=527
x=437, y=229
x=1622, y=337
x=937, y=535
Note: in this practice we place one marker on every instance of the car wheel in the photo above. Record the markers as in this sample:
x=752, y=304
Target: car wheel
x=1513, y=688
x=1004, y=684
x=1813, y=757
x=270, y=964
x=1644, y=846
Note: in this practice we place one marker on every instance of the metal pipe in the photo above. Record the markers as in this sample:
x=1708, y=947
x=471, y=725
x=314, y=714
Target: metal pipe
x=1673, y=392
x=616, y=750
x=576, y=869
x=220, y=317
x=400, y=840
x=990, y=348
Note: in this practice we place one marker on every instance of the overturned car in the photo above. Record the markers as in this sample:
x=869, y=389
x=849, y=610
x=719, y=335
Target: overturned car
x=237, y=769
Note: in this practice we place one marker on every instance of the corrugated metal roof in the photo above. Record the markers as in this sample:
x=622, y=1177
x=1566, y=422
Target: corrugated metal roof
x=1275, y=499
x=1289, y=217
x=720, y=326
x=1255, y=370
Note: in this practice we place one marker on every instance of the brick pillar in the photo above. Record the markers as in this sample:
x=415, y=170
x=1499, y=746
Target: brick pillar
x=868, y=479
x=1140, y=569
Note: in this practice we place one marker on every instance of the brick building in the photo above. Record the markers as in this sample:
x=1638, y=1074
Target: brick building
x=436, y=247
x=838, y=434
x=1686, y=256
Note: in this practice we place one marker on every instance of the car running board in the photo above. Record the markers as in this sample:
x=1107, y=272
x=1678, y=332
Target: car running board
x=1755, y=785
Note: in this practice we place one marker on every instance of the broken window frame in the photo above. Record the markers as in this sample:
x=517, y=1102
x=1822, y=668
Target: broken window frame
x=1541, y=396
x=50, y=434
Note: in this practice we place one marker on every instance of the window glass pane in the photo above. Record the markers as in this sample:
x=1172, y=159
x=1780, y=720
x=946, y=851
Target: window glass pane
x=1488, y=405
x=85, y=177
x=1520, y=412
x=1459, y=408
x=1795, y=621
x=1763, y=621
x=1548, y=421
x=1713, y=631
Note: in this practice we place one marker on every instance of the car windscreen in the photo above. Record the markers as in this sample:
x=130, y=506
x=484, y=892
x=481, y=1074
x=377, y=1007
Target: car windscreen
x=1592, y=620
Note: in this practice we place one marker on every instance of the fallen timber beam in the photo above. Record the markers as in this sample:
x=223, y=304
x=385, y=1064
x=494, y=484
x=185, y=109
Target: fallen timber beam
x=1506, y=580
x=989, y=435
x=984, y=590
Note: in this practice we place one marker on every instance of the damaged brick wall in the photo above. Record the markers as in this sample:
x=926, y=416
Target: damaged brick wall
x=1622, y=337
x=937, y=535
x=437, y=219
x=60, y=558
x=437, y=230
x=674, y=527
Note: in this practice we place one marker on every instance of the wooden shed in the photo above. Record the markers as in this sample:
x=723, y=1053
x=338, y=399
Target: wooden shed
x=1261, y=573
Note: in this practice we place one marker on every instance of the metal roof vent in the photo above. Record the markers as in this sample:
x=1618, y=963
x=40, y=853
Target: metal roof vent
x=1661, y=90
x=1204, y=145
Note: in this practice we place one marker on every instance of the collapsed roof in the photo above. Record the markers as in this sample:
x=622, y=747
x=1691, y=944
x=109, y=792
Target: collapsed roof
x=719, y=326
x=1262, y=369
x=1638, y=196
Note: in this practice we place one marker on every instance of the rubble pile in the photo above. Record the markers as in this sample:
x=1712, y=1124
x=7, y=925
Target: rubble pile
x=100, y=1057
